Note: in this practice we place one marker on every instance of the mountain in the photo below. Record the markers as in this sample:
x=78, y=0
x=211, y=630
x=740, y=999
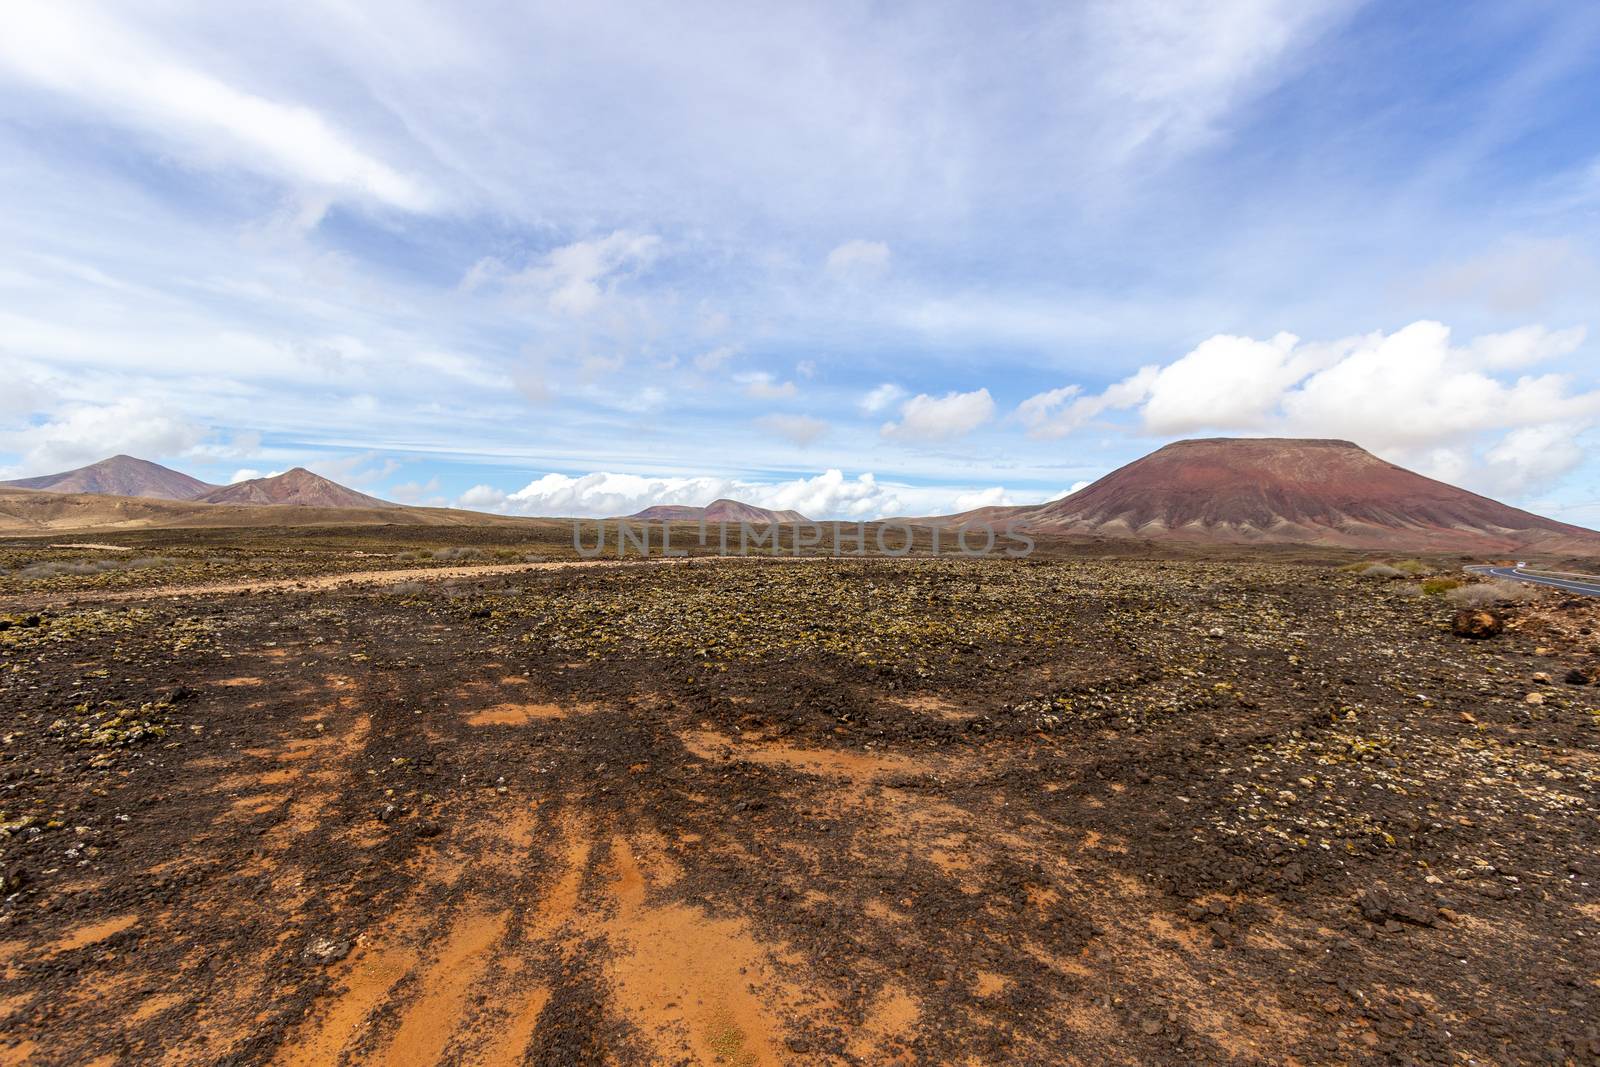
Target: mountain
x=32, y=512
x=717, y=511
x=120, y=476
x=1290, y=490
x=298, y=486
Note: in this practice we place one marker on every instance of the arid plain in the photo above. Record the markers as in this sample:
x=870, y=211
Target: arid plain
x=481, y=805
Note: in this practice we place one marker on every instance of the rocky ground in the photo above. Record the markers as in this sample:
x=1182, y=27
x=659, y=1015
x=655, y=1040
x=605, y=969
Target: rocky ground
x=1070, y=811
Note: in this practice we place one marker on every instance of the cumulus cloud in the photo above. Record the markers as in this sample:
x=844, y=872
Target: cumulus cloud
x=250, y=474
x=858, y=259
x=1060, y=412
x=829, y=495
x=1411, y=395
x=86, y=433
x=928, y=418
x=483, y=498
x=800, y=430
x=763, y=386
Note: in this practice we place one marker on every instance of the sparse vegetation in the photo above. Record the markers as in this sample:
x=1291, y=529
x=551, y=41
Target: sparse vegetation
x=1492, y=593
x=923, y=782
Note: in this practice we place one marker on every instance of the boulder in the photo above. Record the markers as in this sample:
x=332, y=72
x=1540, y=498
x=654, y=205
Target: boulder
x=1476, y=624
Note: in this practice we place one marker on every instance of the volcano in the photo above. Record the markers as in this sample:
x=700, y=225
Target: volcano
x=297, y=486
x=1295, y=491
x=120, y=476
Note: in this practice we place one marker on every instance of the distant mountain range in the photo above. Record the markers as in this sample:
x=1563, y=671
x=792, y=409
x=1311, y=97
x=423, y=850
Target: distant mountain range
x=1227, y=490
x=132, y=477
x=1290, y=491
x=723, y=510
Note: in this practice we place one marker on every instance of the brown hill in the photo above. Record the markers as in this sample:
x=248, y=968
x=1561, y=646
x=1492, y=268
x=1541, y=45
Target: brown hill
x=1290, y=490
x=31, y=511
x=723, y=510
x=299, y=487
x=120, y=476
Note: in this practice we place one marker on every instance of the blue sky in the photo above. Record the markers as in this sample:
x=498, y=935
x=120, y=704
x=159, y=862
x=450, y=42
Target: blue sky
x=853, y=259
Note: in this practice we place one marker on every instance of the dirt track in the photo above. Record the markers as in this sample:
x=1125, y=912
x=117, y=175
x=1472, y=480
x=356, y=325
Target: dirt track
x=318, y=582
x=746, y=814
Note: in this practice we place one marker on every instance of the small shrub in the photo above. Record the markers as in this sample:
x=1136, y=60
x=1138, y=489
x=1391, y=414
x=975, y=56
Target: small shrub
x=1411, y=566
x=1439, y=586
x=1490, y=594
x=1381, y=570
x=456, y=553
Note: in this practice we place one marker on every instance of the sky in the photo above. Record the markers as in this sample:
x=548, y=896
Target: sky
x=853, y=259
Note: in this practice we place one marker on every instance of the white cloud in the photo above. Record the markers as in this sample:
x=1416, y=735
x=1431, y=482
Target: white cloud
x=858, y=259
x=994, y=496
x=84, y=433
x=1411, y=389
x=576, y=278
x=1410, y=395
x=927, y=418
x=762, y=386
x=603, y=494
x=22, y=396
x=1161, y=74
x=1533, y=457
x=1228, y=381
x=715, y=358
x=1525, y=347
x=73, y=49
x=882, y=398
x=799, y=430
x=250, y=474
x=424, y=493
x=1060, y=412
x=483, y=498
x=829, y=495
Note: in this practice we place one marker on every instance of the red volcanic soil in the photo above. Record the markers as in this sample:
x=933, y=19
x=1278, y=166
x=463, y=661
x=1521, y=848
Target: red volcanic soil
x=297, y=486
x=120, y=476
x=1294, y=491
x=723, y=510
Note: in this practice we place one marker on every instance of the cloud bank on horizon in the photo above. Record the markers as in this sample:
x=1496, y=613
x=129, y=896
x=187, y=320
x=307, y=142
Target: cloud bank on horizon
x=854, y=262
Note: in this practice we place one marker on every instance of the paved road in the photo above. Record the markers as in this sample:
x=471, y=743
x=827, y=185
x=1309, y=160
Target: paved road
x=1588, y=586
